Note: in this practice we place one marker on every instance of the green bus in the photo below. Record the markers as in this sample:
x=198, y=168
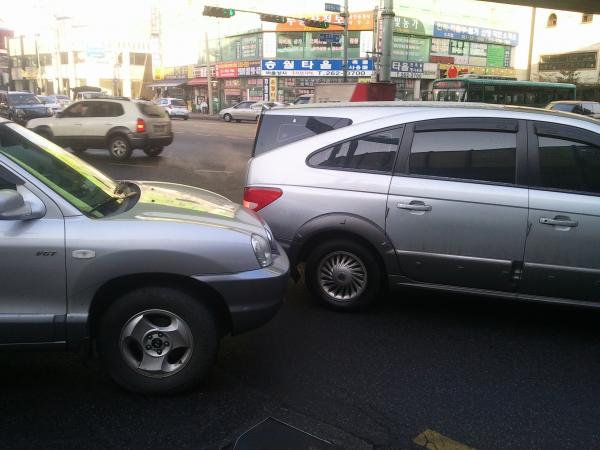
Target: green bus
x=501, y=91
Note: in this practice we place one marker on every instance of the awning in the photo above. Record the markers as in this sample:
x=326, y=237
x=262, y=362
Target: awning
x=200, y=81
x=165, y=83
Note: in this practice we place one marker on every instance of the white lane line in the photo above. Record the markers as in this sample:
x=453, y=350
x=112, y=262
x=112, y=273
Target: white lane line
x=212, y=171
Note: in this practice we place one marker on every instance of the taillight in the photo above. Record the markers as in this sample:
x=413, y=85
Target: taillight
x=140, y=126
x=257, y=198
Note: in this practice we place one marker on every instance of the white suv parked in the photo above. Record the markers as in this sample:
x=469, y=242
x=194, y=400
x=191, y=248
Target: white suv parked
x=117, y=124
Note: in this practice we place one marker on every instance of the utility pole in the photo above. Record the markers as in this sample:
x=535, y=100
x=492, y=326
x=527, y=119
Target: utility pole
x=531, y=41
x=346, y=17
x=208, y=75
x=39, y=67
x=7, y=45
x=386, y=42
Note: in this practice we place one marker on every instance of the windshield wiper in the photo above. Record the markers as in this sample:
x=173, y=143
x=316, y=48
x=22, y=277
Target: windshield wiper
x=112, y=199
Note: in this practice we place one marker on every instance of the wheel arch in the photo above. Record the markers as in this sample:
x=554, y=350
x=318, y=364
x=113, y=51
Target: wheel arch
x=108, y=293
x=44, y=129
x=340, y=226
x=121, y=131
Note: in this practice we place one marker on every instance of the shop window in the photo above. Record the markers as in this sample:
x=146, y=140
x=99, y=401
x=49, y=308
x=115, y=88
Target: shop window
x=552, y=20
x=587, y=18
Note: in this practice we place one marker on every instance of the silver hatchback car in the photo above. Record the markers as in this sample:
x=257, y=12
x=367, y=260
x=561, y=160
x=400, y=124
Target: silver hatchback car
x=478, y=199
x=152, y=273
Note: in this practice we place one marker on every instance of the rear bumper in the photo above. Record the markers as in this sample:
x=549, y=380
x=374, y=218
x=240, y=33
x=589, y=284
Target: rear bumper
x=252, y=297
x=140, y=140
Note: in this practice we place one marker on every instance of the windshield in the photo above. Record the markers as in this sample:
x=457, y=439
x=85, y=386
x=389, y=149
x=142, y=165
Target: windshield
x=73, y=179
x=448, y=95
x=23, y=99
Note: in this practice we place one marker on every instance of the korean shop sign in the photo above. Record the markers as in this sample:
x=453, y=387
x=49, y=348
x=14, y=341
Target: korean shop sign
x=406, y=69
x=316, y=67
x=408, y=25
x=474, y=34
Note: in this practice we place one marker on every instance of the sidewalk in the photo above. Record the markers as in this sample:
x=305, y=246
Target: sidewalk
x=200, y=116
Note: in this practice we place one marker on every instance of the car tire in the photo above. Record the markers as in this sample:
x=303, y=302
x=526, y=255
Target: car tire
x=44, y=133
x=154, y=150
x=227, y=117
x=343, y=275
x=141, y=350
x=79, y=150
x=186, y=117
x=119, y=147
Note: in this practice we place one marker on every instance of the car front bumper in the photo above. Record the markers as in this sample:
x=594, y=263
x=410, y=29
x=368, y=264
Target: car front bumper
x=252, y=297
x=140, y=140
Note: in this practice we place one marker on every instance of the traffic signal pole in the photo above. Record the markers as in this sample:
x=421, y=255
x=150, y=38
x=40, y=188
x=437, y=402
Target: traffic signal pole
x=208, y=76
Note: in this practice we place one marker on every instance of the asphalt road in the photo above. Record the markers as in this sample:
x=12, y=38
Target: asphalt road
x=489, y=374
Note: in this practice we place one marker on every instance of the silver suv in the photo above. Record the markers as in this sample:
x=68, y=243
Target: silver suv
x=153, y=274
x=118, y=124
x=477, y=199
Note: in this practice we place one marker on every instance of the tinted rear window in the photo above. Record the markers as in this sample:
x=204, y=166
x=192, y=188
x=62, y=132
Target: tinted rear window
x=178, y=103
x=151, y=110
x=566, y=107
x=275, y=131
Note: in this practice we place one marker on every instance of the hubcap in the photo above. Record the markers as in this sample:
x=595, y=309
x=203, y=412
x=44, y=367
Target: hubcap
x=342, y=276
x=156, y=343
x=119, y=147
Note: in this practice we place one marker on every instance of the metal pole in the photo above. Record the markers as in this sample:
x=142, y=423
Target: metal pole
x=386, y=42
x=39, y=67
x=208, y=75
x=346, y=17
x=531, y=40
x=7, y=42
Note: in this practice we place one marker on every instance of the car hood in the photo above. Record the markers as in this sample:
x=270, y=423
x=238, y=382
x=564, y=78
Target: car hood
x=169, y=202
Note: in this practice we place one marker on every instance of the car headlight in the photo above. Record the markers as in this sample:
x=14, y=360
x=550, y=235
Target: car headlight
x=19, y=112
x=262, y=250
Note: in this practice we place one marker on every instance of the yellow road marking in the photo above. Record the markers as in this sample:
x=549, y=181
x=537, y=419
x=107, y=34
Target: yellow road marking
x=435, y=441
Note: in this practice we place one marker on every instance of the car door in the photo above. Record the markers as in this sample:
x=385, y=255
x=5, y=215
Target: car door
x=562, y=252
x=68, y=127
x=242, y=111
x=33, y=278
x=98, y=120
x=457, y=206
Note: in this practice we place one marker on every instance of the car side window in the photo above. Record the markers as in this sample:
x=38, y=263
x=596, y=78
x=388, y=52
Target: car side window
x=80, y=109
x=4, y=184
x=569, y=165
x=489, y=156
x=105, y=109
x=372, y=152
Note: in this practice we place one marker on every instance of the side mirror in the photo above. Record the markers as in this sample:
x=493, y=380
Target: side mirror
x=14, y=207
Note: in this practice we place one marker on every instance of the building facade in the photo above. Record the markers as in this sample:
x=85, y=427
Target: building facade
x=279, y=62
x=54, y=66
x=566, y=48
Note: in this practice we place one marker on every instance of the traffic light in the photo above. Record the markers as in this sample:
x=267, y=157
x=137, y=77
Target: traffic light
x=315, y=23
x=215, y=11
x=273, y=18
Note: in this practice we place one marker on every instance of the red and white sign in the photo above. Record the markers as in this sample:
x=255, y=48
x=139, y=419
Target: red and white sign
x=226, y=70
x=452, y=72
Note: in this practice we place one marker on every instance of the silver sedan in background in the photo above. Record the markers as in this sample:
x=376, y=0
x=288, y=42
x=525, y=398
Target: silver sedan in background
x=247, y=110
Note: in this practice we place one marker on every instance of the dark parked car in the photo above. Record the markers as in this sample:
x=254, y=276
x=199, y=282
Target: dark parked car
x=590, y=109
x=22, y=106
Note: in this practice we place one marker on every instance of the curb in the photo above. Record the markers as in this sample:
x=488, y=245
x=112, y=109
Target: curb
x=197, y=116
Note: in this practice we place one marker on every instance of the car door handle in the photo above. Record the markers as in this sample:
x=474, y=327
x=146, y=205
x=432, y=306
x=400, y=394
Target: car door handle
x=414, y=206
x=559, y=222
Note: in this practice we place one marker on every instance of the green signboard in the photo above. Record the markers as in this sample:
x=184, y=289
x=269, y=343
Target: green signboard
x=495, y=55
x=410, y=48
x=409, y=25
